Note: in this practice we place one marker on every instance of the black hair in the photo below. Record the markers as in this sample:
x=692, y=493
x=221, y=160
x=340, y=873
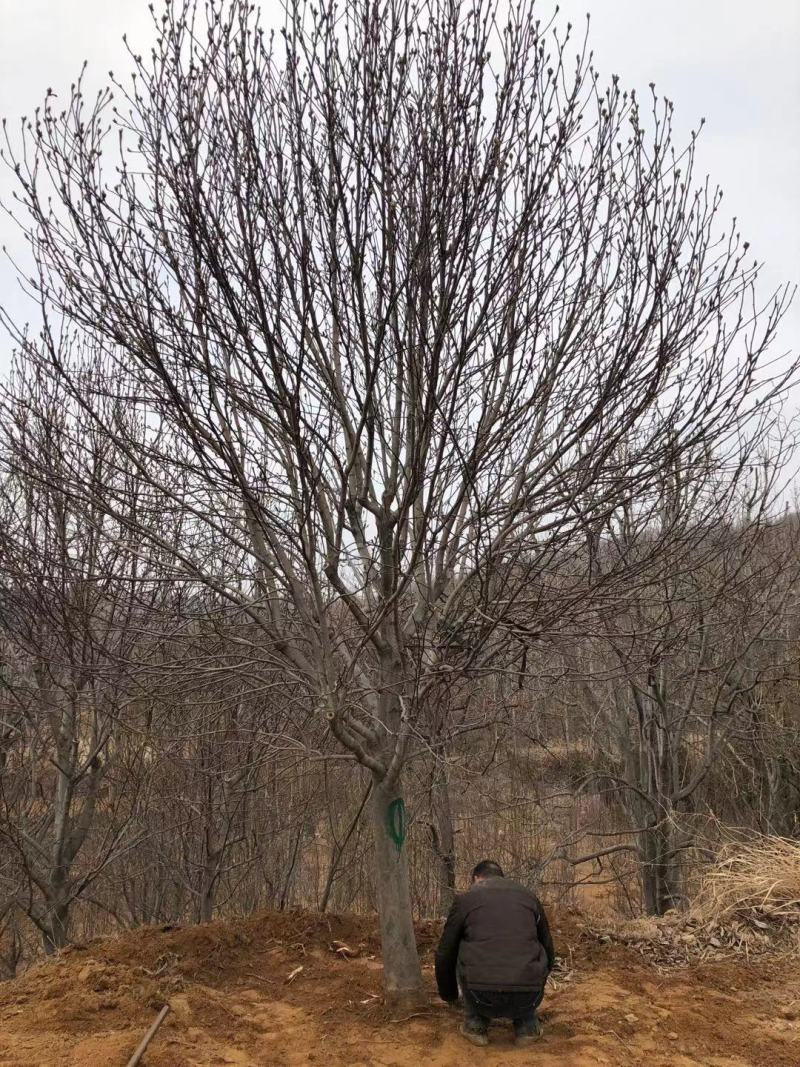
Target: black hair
x=487, y=869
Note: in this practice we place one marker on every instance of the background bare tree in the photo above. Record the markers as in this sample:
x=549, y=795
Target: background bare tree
x=75, y=590
x=667, y=682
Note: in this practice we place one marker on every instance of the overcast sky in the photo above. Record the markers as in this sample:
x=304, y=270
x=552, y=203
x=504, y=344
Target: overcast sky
x=733, y=61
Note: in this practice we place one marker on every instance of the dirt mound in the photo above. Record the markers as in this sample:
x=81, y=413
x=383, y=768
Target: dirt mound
x=292, y=988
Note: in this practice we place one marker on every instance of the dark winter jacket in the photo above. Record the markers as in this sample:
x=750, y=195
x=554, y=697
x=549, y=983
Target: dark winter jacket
x=496, y=937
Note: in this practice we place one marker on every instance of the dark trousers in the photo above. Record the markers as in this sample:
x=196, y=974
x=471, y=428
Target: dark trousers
x=483, y=1005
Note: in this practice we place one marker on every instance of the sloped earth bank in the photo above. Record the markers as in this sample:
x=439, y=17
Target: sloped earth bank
x=238, y=997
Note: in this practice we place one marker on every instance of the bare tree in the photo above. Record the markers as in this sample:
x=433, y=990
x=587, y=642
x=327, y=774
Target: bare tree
x=74, y=588
x=410, y=302
x=672, y=680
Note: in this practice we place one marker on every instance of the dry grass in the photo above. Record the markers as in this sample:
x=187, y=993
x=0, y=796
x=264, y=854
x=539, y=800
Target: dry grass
x=748, y=904
x=756, y=880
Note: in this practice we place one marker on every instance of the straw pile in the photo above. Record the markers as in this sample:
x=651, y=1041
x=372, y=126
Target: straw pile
x=757, y=881
x=748, y=905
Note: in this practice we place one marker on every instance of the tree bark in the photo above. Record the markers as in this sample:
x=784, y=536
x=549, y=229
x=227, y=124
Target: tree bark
x=54, y=929
x=205, y=911
x=402, y=975
x=660, y=890
x=443, y=838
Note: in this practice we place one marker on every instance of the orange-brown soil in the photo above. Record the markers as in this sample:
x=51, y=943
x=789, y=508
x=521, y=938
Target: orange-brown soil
x=233, y=1002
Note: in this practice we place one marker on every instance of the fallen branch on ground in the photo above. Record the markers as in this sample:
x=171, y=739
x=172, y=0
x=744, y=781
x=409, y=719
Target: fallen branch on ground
x=148, y=1037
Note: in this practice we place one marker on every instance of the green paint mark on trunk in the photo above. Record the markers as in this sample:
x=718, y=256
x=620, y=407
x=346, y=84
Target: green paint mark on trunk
x=396, y=822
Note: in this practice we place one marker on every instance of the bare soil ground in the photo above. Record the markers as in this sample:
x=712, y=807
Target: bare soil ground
x=233, y=1002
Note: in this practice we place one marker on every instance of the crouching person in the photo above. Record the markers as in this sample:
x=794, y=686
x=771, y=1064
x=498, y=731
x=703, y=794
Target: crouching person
x=496, y=946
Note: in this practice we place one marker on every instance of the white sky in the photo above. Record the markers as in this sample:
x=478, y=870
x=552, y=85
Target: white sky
x=736, y=62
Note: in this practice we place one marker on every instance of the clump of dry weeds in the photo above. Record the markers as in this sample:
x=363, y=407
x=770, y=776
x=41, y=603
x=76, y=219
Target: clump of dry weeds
x=748, y=903
x=756, y=880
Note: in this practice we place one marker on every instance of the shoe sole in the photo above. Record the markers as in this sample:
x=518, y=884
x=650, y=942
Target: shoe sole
x=481, y=1040
x=528, y=1039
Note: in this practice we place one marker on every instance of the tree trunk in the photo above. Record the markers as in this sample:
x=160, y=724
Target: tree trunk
x=10, y=948
x=54, y=929
x=402, y=975
x=659, y=876
x=783, y=797
x=443, y=838
x=650, y=891
x=209, y=872
x=205, y=910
